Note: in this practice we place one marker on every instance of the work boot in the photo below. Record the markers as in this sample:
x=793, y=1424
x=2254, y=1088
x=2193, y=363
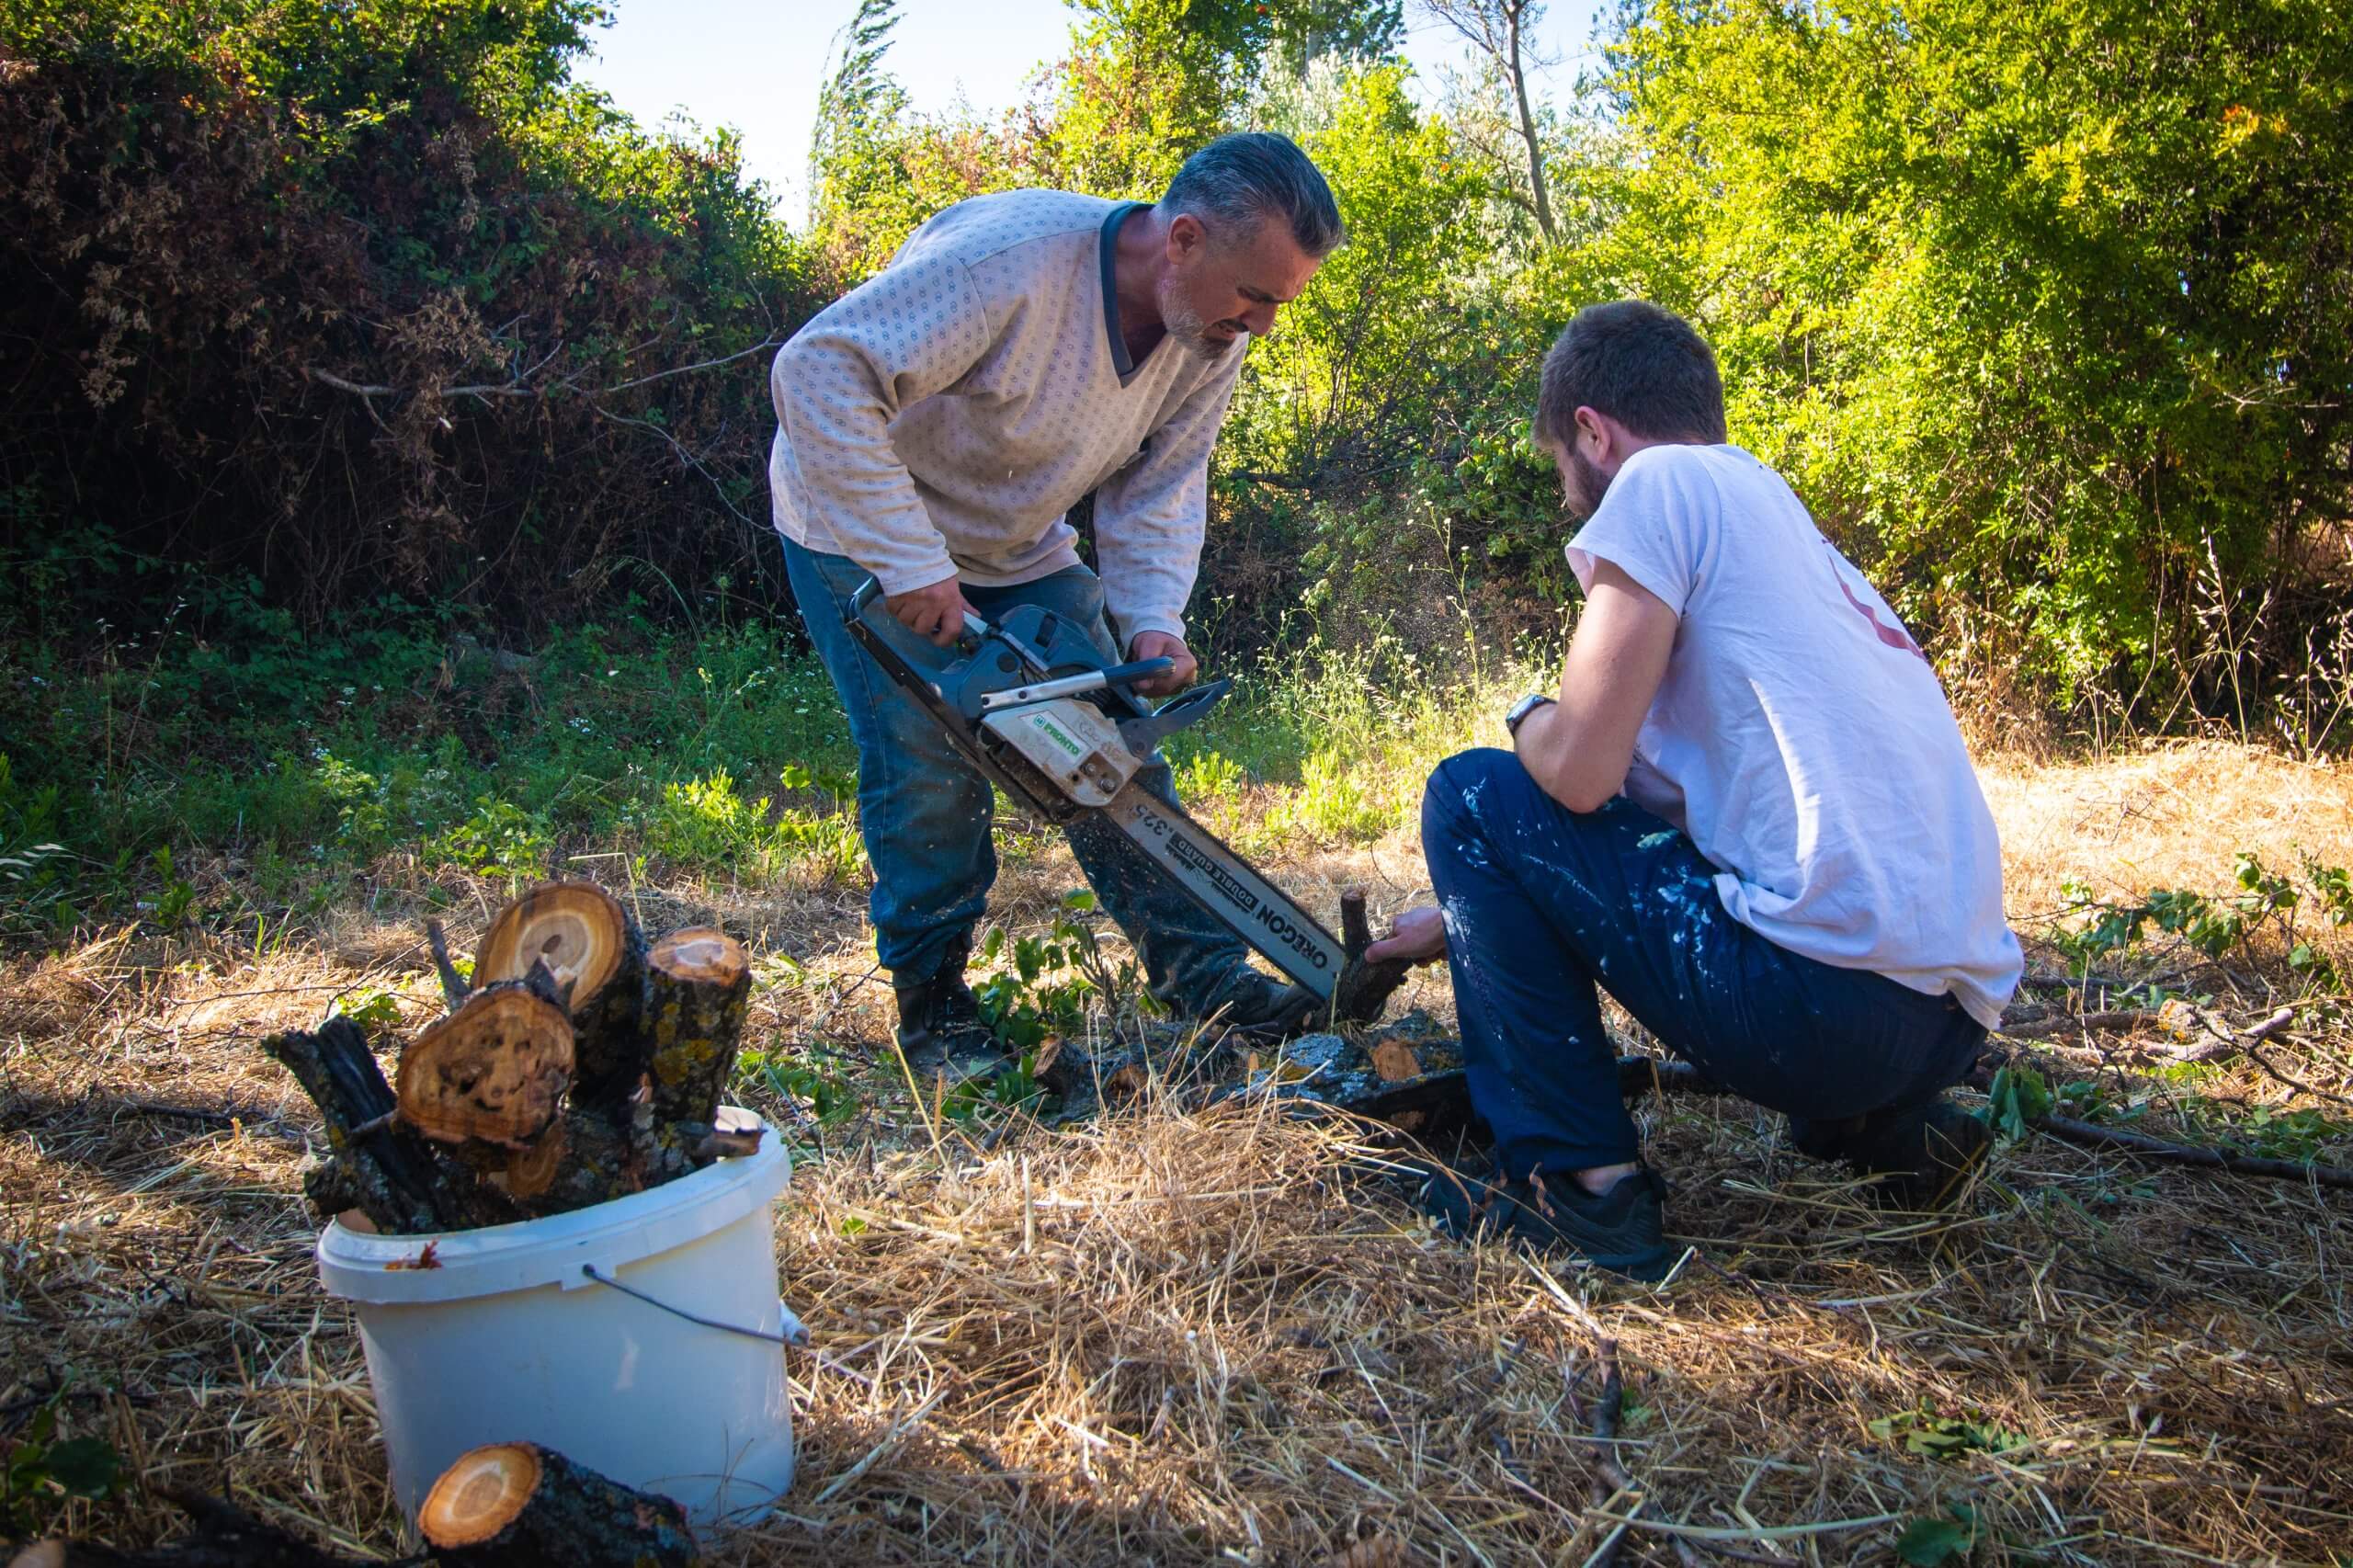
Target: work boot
x=1259, y=1005
x=939, y=1025
x=1923, y=1154
x=1622, y=1229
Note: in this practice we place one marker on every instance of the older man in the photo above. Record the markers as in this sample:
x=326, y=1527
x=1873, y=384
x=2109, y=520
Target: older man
x=1746, y=813
x=933, y=427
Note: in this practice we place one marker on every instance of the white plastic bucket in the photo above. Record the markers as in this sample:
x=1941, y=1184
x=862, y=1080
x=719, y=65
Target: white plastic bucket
x=501, y=1336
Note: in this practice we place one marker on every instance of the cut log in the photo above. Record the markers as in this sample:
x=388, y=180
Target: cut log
x=599, y=1161
x=377, y=1166
x=580, y=932
x=1363, y=989
x=495, y=1071
x=698, y=987
x=520, y=1506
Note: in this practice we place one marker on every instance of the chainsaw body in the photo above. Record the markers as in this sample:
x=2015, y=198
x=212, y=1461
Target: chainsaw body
x=1032, y=704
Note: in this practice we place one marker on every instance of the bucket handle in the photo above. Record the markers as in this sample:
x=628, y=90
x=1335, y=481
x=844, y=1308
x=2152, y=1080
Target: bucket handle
x=794, y=1335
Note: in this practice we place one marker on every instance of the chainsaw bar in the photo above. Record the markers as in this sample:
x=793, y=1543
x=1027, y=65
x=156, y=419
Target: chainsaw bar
x=1223, y=882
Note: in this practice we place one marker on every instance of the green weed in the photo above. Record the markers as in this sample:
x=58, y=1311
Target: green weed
x=2214, y=927
x=1934, y=1539
x=377, y=1012
x=1210, y=780
x=1934, y=1436
x=499, y=839
x=42, y=1470
x=831, y=1097
x=1048, y=981
x=2017, y=1100
x=704, y=823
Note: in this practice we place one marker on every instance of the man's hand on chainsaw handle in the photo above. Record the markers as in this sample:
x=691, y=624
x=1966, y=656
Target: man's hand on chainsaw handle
x=1418, y=937
x=1160, y=646
x=936, y=613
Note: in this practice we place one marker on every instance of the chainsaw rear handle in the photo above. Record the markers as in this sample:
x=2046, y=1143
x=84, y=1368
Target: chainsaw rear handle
x=866, y=593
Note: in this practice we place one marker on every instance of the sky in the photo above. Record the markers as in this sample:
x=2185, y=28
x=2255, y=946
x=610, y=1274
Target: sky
x=756, y=64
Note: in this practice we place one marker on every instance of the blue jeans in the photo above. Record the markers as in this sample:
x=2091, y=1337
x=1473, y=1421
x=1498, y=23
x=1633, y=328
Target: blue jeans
x=924, y=811
x=1544, y=905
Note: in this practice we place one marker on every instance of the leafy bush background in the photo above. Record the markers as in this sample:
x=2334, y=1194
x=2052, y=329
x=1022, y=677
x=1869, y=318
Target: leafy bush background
x=2047, y=309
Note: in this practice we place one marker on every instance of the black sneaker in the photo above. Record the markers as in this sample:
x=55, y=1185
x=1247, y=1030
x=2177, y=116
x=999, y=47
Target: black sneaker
x=940, y=1028
x=1622, y=1229
x=1924, y=1155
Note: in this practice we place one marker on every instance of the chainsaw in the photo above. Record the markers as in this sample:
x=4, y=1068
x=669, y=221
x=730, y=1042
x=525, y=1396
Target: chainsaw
x=1032, y=705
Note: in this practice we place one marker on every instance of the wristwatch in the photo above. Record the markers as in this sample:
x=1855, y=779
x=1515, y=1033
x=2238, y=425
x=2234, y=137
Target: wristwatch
x=1521, y=710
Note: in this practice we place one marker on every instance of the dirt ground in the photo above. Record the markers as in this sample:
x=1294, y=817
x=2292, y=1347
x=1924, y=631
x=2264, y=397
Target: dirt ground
x=1178, y=1338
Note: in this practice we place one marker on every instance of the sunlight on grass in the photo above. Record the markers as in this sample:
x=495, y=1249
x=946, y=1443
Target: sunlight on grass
x=1318, y=747
x=705, y=823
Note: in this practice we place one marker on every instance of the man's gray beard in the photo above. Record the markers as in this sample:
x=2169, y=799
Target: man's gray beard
x=1590, y=483
x=1184, y=323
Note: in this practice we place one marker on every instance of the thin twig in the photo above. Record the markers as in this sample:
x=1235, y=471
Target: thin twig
x=899, y=1429
x=454, y=990
x=2296, y=1084
x=2090, y=1136
x=2117, y=1018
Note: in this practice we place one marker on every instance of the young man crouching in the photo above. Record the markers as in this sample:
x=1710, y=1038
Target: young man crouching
x=1748, y=815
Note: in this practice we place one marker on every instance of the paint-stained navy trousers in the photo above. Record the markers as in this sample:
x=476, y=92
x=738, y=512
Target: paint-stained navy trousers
x=1545, y=907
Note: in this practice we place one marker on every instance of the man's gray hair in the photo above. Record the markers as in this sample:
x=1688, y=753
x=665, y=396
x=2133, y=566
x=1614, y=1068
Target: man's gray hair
x=1239, y=181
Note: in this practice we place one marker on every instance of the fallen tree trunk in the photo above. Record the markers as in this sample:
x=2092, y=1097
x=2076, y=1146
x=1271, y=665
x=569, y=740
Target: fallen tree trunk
x=1636, y=1075
x=2091, y=1136
x=384, y=1170
x=1444, y=1102
x=520, y=1506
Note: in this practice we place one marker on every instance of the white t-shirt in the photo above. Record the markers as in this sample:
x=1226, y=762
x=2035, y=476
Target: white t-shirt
x=1799, y=737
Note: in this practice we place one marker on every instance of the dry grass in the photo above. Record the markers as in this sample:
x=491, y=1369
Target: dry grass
x=2167, y=816
x=1181, y=1338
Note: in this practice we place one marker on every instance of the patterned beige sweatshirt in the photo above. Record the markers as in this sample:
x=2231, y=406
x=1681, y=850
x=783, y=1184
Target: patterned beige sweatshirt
x=940, y=418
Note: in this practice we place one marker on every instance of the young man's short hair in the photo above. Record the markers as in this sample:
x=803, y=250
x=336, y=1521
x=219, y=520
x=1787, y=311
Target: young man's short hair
x=1641, y=366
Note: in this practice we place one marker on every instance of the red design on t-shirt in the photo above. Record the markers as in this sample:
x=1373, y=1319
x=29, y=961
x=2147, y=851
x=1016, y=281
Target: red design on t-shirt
x=1894, y=636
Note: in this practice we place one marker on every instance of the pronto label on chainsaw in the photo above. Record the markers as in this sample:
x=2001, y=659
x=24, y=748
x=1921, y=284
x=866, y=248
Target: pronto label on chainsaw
x=1059, y=736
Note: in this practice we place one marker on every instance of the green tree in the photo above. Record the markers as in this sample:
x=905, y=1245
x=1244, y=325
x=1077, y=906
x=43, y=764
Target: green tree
x=1149, y=80
x=2044, y=306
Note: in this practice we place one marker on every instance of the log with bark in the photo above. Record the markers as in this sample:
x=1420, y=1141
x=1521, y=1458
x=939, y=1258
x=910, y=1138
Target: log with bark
x=580, y=932
x=577, y=1066
x=1363, y=989
x=374, y=1163
x=699, y=990
x=520, y=1506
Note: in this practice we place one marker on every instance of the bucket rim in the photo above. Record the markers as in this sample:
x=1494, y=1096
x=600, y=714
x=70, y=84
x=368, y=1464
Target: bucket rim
x=454, y=1265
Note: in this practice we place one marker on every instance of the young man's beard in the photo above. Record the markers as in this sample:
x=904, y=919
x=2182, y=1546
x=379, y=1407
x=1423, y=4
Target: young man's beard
x=1588, y=485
